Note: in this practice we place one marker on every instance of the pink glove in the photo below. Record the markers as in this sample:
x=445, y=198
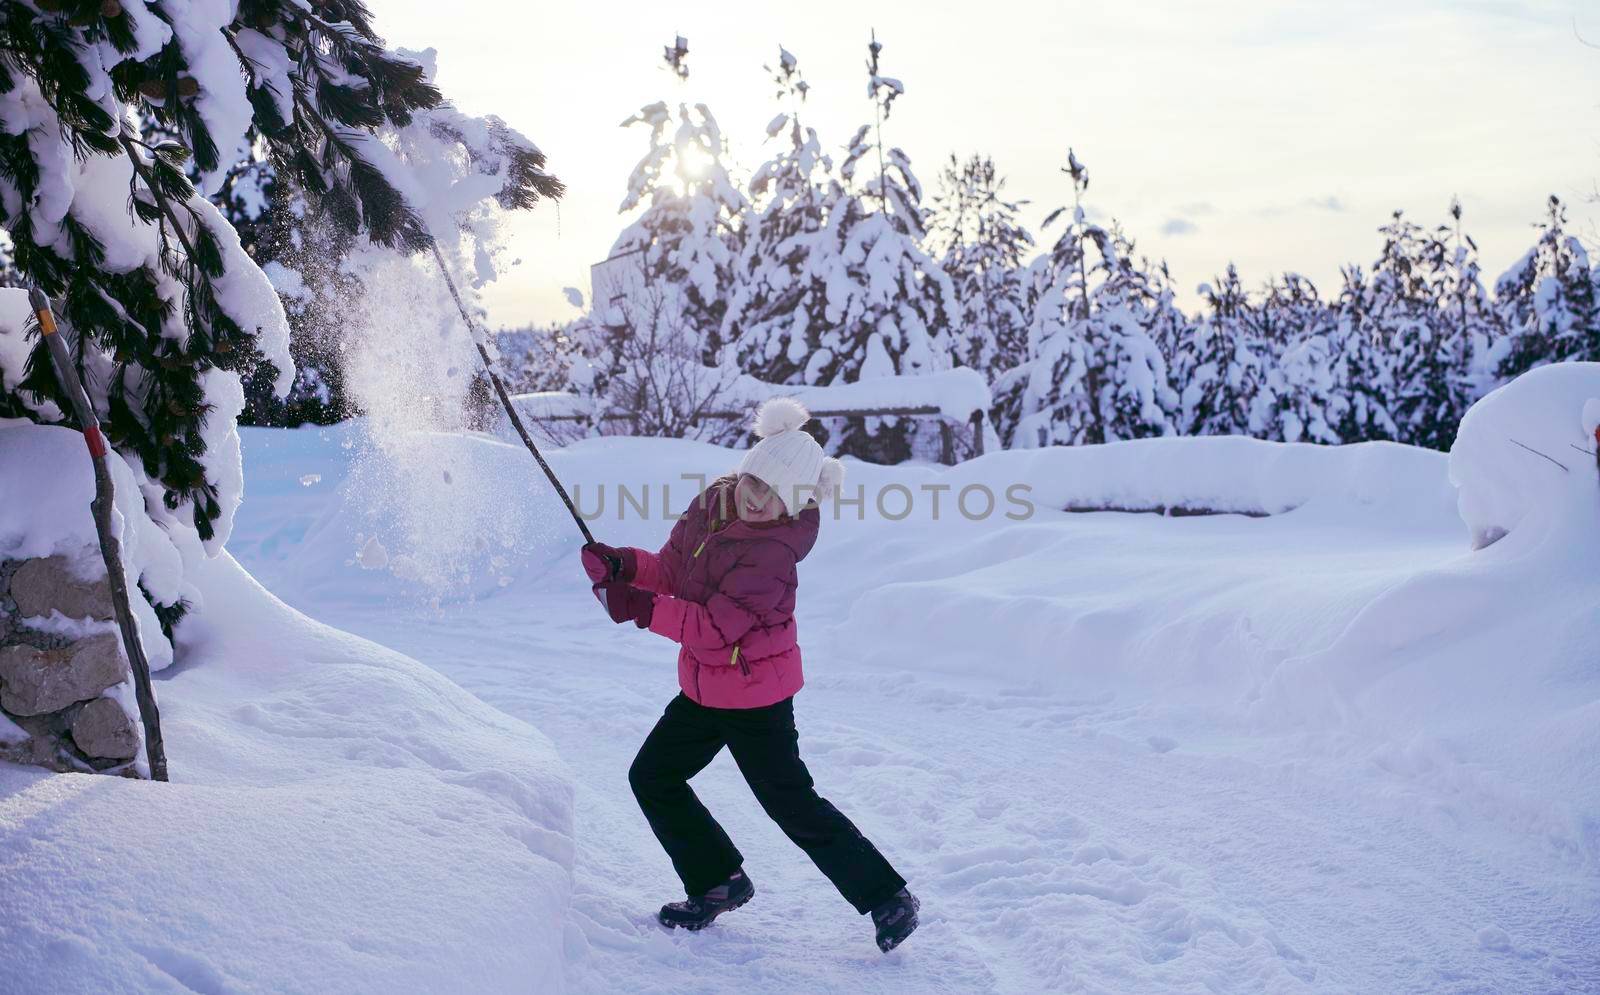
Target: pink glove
x=624, y=602
x=605, y=563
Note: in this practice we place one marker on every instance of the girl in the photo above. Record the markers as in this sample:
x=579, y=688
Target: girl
x=723, y=587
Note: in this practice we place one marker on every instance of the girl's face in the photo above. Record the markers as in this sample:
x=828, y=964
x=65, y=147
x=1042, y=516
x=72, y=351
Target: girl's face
x=754, y=501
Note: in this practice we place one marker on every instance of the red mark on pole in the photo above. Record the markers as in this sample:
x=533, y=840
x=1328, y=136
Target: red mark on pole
x=95, y=441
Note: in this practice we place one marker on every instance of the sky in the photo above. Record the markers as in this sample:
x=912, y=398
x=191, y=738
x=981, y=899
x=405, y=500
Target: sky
x=1278, y=136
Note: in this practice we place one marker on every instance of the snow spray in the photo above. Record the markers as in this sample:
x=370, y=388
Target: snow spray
x=444, y=508
x=505, y=400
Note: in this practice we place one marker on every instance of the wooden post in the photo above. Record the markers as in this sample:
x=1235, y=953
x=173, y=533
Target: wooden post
x=977, y=433
x=947, y=443
x=110, y=547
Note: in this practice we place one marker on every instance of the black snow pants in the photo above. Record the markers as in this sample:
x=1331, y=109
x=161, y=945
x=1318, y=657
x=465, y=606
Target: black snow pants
x=765, y=745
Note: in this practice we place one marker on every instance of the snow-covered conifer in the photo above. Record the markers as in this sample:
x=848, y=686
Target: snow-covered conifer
x=1222, y=367
x=166, y=307
x=1548, y=302
x=1302, y=395
x=1467, y=310
x=775, y=305
x=1429, y=361
x=981, y=242
x=686, y=239
x=1093, y=372
x=876, y=304
x=1363, y=366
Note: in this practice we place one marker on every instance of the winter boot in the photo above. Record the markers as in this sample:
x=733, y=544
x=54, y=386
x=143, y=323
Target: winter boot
x=896, y=919
x=697, y=911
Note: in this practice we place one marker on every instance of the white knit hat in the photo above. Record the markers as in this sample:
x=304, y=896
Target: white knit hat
x=787, y=459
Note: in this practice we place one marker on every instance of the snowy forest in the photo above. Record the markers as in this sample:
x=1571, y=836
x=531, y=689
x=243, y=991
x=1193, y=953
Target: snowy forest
x=355, y=638
x=831, y=263
x=834, y=263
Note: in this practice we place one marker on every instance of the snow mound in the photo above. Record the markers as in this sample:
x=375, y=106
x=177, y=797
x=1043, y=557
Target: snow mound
x=1222, y=474
x=340, y=818
x=47, y=513
x=1525, y=452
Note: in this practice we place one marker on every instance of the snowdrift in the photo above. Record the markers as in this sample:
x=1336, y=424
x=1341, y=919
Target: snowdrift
x=44, y=514
x=1336, y=600
x=1223, y=475
x=1333, y=640
x=340, y=817
x=1527, y=451
x=1492, y=658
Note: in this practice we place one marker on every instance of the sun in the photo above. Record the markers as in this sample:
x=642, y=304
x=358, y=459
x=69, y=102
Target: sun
x=694, y=163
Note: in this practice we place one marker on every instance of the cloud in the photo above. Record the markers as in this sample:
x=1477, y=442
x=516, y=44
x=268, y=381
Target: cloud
x=1330, y=202
x=1178, y=226
x=1197, y=208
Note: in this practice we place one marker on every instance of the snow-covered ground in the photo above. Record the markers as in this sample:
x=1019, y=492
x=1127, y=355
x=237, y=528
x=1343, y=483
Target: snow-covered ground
x=1328, y=749
x=340, y=817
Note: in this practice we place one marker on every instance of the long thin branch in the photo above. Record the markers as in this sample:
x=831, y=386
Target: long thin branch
x=161, y=201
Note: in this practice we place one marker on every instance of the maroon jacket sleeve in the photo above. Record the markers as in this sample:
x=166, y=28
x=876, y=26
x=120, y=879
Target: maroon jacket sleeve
x=658, y=571
x=754, y=586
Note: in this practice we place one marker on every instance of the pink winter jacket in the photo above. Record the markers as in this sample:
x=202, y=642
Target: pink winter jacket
x=729, y=590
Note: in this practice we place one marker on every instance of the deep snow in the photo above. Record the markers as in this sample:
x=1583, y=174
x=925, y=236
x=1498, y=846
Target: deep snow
x=340, y=817
x=1329, y=749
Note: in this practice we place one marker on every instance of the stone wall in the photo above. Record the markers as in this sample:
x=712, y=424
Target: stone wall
x=62, y=684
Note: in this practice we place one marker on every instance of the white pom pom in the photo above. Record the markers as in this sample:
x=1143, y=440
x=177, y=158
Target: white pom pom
x=780, y=414
x=830, y=479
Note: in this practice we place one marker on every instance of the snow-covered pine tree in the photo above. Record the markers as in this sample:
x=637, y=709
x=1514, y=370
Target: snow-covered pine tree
x=1166, y=325
x=1137, y=307
x=1548, y=302
x=1302, y=397
x=1169, y=327
x=687, y=238
x=776, y=307
x=166, y=309
x=978, y=236
x=280, y=232
x=1430, y=365
x=1364, y=366
x=1093, y=373
x=889, y=306
x=303, y=257
x=1221, y=370
x=1466, y=308
x=270, y=217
